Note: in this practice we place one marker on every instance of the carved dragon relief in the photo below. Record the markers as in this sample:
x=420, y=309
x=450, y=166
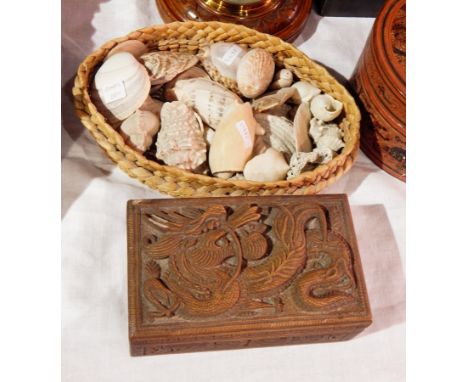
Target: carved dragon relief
x=244, y=261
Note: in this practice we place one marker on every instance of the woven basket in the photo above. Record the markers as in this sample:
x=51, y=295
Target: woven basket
x=189, y=37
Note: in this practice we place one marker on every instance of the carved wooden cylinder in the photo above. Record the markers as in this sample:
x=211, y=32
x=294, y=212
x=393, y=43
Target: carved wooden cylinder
x=380, y=81
x=222, y=273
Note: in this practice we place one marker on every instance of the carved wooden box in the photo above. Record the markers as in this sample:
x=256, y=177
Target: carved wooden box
x=223, y=273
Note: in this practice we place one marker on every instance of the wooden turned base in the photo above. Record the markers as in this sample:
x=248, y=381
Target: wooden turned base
x=282, y=18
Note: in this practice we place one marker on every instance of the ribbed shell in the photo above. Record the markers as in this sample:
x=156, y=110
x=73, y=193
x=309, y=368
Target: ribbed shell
x=164, y=66
x=255, y=72
x=279, y=133
x=180, y=141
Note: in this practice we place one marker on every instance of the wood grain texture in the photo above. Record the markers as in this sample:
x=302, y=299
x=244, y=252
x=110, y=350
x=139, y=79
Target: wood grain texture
x=224, y=273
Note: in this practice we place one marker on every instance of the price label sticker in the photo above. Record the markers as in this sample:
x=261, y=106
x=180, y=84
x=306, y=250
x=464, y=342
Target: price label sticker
x=231, y=54
x=113, y=93
x=243, y=130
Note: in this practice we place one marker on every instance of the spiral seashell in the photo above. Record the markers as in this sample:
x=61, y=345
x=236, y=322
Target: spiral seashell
x=279, y=133
x=301, y=126
x=164, y=66
x=282, y=79
x=209, y=99
x=305, y=92
x=255, y=72
x=180, y=141
x=120, y=87
x=325, y=107
x=139, y=129
x=193, y=72
x=233, y=141
x=301, y=162
x=134, y=47
x=267, y=167
x=273, y=99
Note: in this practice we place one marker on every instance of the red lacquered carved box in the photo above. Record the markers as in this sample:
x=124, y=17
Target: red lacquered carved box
x=380, y=81
x=223, y=273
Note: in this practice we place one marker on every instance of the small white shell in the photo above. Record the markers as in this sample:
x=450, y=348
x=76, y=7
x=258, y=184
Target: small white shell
x=180, y=142
x=255, y=72
x=273, y=99
x=134, y=47
x=282, y=79
x=209, y=99
x=301, y=125
x=120, y=87
x=233, y=141
x=279, y=133
x=302, y=161
x=305, y=92
x=164, y=66
x=325, y=107
x=326, y=135
x=267, y=167
x=139, y=129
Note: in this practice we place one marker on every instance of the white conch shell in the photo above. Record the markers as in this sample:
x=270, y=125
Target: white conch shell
x=120, y=87
x=152, y=105
x=255, y=72
x=180, y=142
x=267, y=167
x=164, y=66
x=302, y=161
x=326, y=135
x=282, y=79
x=325, y=107
x=301, y=127
x=279, y=133
x=305, y=92
x=273, y=99
x=139, y=129
x=193, y=72
x=209, y=99
x=233, y=141
x=134, y=47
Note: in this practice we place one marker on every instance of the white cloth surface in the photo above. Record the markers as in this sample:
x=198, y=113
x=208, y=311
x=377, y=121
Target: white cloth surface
x=94, y=258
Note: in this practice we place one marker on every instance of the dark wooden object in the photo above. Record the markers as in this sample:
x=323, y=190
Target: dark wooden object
x=348, y=8
x=222, y=273
x=380, y=83
x=282, y=18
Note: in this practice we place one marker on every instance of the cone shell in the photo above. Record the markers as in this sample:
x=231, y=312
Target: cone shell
x=233, y=141
x=193, y=72
x=139, y=129
x=164, y=66
x=134, y=47
x=120, y=87
x=273, y=99
x=255, y=72
x=209, y=99
x=301, y=127
x=180, y=141
x=267, y=167
x=279, y=133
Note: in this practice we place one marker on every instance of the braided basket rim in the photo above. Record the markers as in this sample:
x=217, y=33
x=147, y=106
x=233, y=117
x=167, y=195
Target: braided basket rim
x=156, y=175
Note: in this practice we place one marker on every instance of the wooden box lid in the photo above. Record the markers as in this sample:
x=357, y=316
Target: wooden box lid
x=221, y=273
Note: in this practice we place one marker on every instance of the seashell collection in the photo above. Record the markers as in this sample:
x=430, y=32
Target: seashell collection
x=225, y=111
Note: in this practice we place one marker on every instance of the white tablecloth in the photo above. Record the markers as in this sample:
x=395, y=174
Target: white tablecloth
x=94, y=195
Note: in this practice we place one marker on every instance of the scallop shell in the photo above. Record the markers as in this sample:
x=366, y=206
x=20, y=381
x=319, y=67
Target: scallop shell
x=326, y=135
x=193, y=72
x=209, y=99
x=180, y=141
x=255, y=72
x=301, y=126
x=152, y=105
x=233, y=141
x=134, y=47
x=120, y=87
x=139, y=129
x=164, y=66
x=267, y=167
x=282, y=79
x=273, y=99
x=305, y=92
x=301, y=162
x=279, y=133
x=325, y=107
